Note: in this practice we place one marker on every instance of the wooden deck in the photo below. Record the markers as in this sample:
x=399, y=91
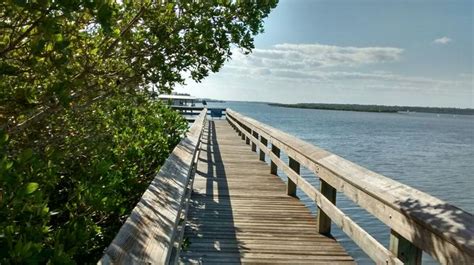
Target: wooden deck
x=240, y=213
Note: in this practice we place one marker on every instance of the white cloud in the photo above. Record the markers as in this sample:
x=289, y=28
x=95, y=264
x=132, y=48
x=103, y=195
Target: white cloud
x=318, y=76
x=310, y=56
x=328, y=65
x=328, y=73
x=443, y=40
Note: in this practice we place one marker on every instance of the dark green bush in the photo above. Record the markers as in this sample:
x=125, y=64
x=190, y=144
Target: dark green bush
x=65, y=200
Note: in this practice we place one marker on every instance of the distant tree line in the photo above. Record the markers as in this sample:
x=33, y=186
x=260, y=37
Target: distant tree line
x=376, y=108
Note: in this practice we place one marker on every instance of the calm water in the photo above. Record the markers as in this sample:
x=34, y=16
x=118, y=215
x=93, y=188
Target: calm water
x=432, y=153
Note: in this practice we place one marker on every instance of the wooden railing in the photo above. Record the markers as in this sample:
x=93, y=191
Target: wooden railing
x=190, y=113
x=417, y=221
x=153, y=232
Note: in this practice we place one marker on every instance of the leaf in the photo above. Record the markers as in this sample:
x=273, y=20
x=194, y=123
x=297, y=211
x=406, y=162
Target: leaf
x=8, y=165
x=8, y=69
x=3, y=137
x=31, y=187
x=104, y=16
x=26, y=155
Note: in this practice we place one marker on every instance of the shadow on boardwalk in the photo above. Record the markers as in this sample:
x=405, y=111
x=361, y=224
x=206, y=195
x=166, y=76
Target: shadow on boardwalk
x=240, y=213
x=211, y=217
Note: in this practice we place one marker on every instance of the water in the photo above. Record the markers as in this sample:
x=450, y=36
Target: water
x=432, y=153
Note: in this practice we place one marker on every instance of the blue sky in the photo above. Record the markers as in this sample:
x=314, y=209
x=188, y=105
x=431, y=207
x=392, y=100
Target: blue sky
x=364, y=52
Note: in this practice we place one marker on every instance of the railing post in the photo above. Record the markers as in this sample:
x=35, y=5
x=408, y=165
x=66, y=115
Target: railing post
x=323, y=221
x=254, y=146
x=273, y=166
x=404, y=249
x=247, y=139
x=264, y=141
x=291, y=186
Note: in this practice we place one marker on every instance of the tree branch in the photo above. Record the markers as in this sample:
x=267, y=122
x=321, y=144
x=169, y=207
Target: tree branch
x=13, y=44
x=125, y=30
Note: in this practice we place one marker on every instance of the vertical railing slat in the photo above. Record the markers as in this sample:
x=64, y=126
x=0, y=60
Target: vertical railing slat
x=291, y=186
x=404, y=249
x=273, y=166
x=323, y=221
x=264, y=141
x=254, y=146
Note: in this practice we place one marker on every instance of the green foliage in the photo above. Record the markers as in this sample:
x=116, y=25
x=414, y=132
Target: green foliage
x=66, y=200
x=64, y=54
x=80, y=138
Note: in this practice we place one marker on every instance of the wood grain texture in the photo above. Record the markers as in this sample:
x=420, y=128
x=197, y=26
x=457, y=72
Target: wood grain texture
x=323, y=221
x=240, y=213
x=148, y=234
x=408, y=253
x=443, y=230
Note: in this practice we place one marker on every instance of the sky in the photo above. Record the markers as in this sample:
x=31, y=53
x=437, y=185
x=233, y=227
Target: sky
x=386, y=52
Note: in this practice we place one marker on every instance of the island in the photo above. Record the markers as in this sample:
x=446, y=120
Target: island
x=376, y=108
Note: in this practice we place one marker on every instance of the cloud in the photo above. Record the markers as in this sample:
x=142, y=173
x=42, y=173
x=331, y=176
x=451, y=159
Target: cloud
x=292, y=66
x=320, y=63
x=313, y=56
x=311, y=63
x=319, y=76
x=443, y=40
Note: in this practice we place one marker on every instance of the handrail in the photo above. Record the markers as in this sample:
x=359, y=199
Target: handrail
x=150, y=235
x=190, y=112
x=418, y=221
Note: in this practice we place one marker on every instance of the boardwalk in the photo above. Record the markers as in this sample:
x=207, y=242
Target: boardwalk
x=240, y=213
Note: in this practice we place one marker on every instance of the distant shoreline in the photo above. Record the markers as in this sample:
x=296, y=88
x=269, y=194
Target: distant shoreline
x=376, y=108
x=213, y=100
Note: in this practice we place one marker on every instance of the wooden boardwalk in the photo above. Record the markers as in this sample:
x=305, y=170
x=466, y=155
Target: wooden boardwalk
x=240, y=213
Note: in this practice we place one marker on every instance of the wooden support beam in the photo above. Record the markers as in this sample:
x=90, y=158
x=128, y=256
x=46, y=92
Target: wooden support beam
x=323, y=220
x=404, y=249
x=273, y=166
x=247, y=139
x=254, y=146
x=291, y=186
x=264, y=141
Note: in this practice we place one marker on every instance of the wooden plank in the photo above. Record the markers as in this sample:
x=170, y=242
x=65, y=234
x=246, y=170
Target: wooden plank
x=290, y=185
x=247, y=140
x=254, y=146
x=444, y=231
x=269, y=253
x=240, y=207
x=367, y=243
x=404, y=249
x=261, y=153
x=273, y=166
x=323, y=220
